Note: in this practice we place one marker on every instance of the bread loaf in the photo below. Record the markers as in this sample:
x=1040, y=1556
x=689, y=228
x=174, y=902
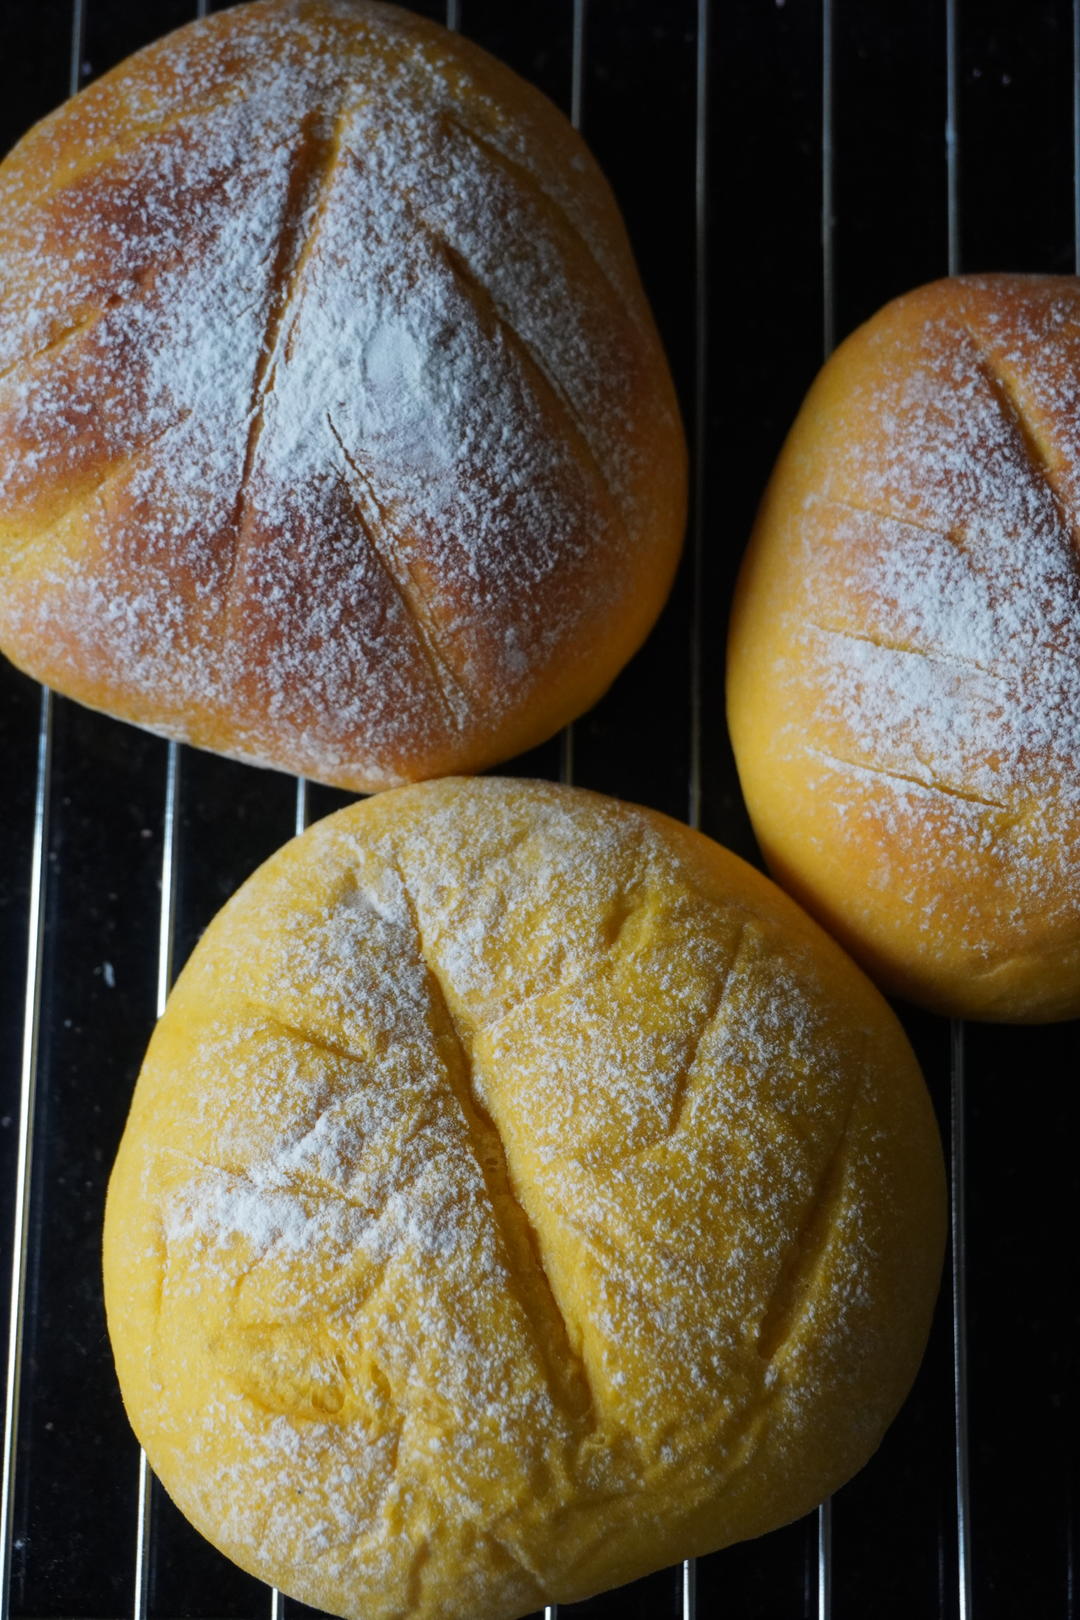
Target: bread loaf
x=904, y=665
x=520, y=1194
x=335, y=433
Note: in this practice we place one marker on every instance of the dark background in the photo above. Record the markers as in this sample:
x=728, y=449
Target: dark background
x=726, y=215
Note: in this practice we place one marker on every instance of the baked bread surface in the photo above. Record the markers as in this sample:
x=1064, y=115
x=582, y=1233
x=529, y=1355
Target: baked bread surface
x=904, y=659
x=520, y=1194
x=335, y=433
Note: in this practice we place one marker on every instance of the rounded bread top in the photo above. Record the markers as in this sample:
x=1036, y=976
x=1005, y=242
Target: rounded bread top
x=519, y=1194
x=904, y=663
x=334, y=429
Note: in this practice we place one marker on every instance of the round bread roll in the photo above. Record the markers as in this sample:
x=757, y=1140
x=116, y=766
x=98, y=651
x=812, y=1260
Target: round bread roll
x=335, y=433
x=520, y=1194
x=904, y=664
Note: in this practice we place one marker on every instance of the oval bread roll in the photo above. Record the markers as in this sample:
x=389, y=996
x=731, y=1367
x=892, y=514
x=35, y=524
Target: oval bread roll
x=520, y=1194
x=335, y=433
x=904, y=664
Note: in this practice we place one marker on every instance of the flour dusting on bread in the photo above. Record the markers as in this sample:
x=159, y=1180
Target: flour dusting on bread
x=520, y=1151
x=913, y=592
x=953, y=658
x=322, y=366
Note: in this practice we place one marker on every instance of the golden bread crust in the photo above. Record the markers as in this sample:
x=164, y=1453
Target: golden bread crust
x=904, y=658
x=519, y=1194
x=335, y=433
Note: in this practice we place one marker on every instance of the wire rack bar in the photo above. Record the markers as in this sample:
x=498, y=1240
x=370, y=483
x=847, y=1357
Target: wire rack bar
x=958, y=1246
x=952, y=136
x=688, y=1590
x=577, y=104
x=25, y=1152
x=701, y=339
x=828, y=278
x=566, y=753
x=143, y=1503
x=957, y=1128
x=828, y=343
x=30, y=1045
x=303, y=806
x=577, y=71
x=78, y=38
x=302, y=812
x=824, y=1559
x=170, y=872
x=577, y=108
x=166, y=939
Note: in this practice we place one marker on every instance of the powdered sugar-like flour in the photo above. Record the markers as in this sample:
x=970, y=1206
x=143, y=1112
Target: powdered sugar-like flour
x=317, y=378
x=934, y=608
x=487, y=1154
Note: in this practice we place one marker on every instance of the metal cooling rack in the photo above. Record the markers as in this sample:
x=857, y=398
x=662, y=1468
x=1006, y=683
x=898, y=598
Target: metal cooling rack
x=785, y=166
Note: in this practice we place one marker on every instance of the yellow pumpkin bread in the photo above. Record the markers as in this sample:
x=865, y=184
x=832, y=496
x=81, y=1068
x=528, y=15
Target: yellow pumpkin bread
x=904, y=661
x=520, y=1194
x=335, y=432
